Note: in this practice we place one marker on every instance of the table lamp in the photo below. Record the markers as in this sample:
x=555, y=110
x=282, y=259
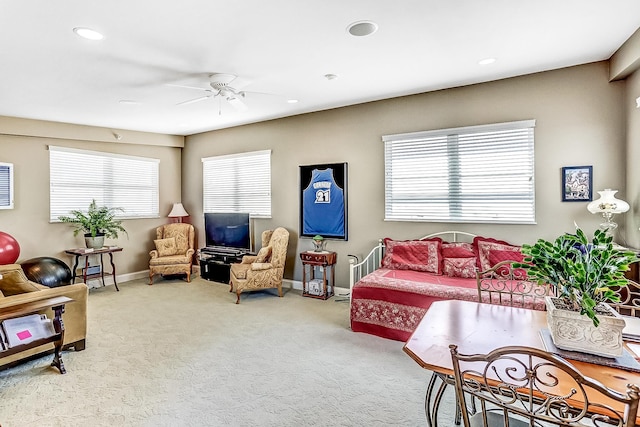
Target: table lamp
x=608, y=205
x=178, y=212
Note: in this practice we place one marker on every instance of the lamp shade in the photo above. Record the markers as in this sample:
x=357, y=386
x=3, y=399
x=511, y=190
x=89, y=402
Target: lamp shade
x=607, y=203
x=177, y=211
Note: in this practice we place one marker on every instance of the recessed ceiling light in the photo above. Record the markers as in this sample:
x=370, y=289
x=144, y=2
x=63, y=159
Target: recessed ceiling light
x=330, y=76
x=487, y=61
x=292, y=101
x=88, y=33
x=362, y=28
x=128, y=102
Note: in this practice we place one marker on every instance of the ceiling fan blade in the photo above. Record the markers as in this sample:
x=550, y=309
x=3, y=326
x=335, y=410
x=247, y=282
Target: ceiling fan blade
x=185, y=87
x=237, y=103
x=198, y=99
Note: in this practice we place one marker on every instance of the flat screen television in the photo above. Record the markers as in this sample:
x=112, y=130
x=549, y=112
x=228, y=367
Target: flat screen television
x=230, y=230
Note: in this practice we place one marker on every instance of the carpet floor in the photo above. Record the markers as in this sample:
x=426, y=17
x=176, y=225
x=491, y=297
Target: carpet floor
x=183, y=354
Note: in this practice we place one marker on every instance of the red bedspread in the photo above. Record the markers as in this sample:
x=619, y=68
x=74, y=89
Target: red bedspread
x=391, y=303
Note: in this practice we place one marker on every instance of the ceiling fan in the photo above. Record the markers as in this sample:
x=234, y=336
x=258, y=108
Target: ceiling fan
x=220, y=87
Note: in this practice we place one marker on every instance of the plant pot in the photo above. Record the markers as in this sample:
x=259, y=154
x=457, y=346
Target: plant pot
x=94, y=242
x=573, y=331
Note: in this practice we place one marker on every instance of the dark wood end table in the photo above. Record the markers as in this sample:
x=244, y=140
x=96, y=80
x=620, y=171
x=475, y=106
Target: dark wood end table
x=326, y=260
x=86, y=253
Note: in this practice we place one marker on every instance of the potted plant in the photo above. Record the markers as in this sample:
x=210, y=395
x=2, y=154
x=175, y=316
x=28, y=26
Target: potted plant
x=584, y=276
x=97, y=223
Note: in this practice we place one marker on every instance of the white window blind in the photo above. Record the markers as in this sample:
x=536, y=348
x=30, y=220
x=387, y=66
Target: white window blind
x=6, y=185
x=479, y=174
x=77, y=177
x=238, y=183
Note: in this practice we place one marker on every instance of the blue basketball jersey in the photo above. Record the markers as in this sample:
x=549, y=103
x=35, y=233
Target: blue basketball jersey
x=323, y=205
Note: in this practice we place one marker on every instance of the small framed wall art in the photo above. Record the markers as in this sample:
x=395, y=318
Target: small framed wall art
x=577, y=183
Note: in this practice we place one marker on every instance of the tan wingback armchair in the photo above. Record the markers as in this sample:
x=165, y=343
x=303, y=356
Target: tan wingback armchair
x=174, y=250
x=264, y=270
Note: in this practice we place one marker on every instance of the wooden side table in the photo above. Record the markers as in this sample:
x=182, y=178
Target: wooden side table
x=325, y=260
x=86, y=253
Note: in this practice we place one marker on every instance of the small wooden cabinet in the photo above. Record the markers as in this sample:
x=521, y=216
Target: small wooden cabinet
x=324, y=261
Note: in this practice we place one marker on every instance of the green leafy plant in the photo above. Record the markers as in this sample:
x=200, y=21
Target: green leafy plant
x=583, y=273
x=97, y=220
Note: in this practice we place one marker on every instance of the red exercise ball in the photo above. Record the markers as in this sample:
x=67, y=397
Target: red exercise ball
x=9, y=249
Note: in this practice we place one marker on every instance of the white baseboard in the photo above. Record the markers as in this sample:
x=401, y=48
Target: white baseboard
x=108, y=280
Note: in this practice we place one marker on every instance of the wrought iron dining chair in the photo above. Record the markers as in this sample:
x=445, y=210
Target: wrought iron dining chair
x=629, y=304
x=501, y=285
x=524, y=386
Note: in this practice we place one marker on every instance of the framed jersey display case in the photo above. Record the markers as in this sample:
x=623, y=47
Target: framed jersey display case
x=323, y=201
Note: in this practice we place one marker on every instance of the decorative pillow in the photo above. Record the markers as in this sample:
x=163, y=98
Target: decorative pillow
x=459, y=267
x=484, y=244
x=264, y=254
x=457, y=250
x=14, y=282
x=418, y=255
x=496, y=256
x=166, y=247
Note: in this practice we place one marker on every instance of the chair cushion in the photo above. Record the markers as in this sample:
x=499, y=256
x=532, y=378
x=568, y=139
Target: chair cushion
x=170, y=260
x=239, y=271
x=166, y=247
x=14, y=282
x=264, y=254
x=180, y=232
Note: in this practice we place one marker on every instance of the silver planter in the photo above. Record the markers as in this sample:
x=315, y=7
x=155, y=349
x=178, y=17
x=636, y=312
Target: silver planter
x=94, y=242
x=573, y=331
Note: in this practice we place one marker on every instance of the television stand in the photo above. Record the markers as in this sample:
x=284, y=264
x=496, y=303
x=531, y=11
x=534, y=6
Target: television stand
x=215, y=263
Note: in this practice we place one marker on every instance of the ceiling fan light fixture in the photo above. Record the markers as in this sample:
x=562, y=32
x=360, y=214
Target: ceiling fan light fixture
x=88, y=33
x=362, y=28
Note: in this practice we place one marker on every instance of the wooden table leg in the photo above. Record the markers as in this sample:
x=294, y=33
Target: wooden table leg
x=113, y=271
x=58, y=326
x=75, y=269
x=86, y=268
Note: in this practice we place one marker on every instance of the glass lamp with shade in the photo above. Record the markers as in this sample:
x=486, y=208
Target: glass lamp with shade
x=608, y=205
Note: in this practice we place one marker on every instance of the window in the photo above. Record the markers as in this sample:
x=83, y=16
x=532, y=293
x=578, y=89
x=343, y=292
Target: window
x=6, y=185
x=472, y=174
x=238, y=183
x=76, y=177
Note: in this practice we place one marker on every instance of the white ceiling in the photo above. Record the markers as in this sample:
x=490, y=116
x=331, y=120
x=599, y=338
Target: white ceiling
x=281, y=48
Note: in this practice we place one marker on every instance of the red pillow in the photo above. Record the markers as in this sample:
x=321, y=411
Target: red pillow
x=496, y=256
x=418, y=255
x=459, y=267
x=484, y=244
x=457, y=250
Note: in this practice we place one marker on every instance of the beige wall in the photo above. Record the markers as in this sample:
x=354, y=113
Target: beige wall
x=29, y=221
x=633, y=154
x=582, y=119
x=579, y=121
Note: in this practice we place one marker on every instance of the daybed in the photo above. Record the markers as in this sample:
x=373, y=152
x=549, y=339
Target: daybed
x=395, y=284
x=16, y=289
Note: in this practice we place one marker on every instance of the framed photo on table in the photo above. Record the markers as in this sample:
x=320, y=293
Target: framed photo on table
x=323, y=201
x=577, y=183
